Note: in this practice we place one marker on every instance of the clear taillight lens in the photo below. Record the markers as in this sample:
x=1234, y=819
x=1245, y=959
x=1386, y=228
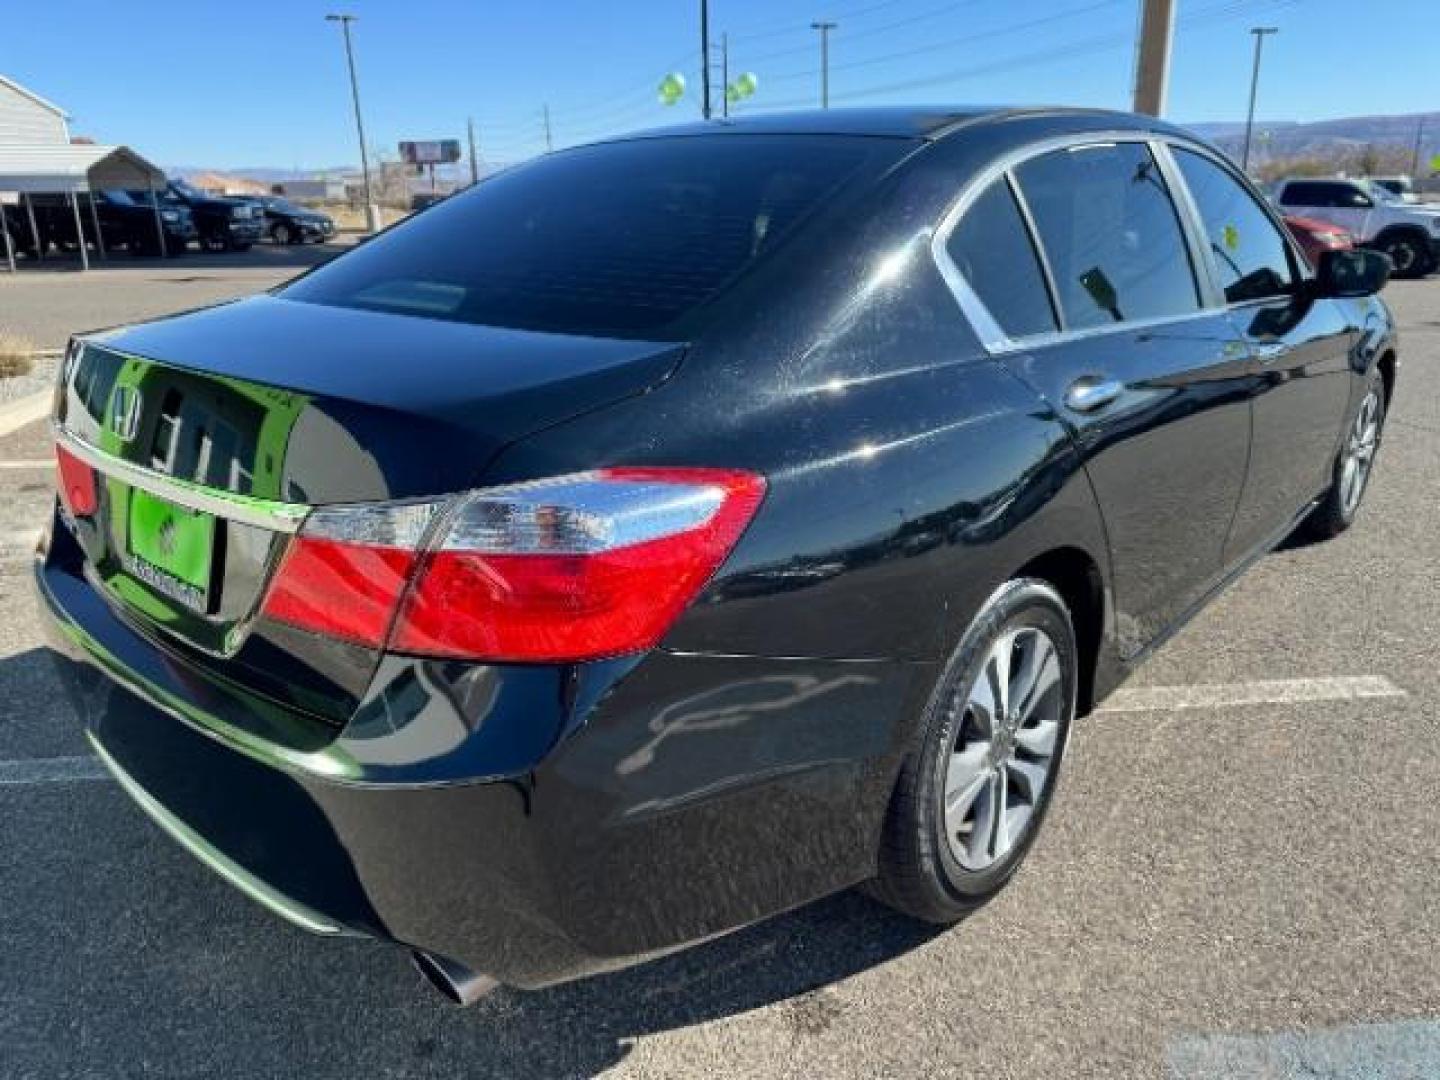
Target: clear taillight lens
x=573, y=568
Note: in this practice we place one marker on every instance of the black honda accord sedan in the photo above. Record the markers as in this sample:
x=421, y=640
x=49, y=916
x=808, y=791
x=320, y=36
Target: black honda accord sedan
x=674, y=530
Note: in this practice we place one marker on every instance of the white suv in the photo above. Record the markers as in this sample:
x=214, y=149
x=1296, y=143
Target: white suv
x=1376, y=217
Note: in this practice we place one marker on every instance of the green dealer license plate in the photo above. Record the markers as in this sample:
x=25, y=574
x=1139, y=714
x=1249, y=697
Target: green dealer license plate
x=170, y=549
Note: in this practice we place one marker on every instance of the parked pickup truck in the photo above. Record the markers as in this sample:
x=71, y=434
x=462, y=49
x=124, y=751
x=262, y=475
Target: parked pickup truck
x=1373, y=215
x=223, y=224
x=124, y=223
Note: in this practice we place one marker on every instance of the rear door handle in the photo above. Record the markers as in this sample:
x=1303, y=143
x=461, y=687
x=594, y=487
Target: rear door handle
x=1091, y=392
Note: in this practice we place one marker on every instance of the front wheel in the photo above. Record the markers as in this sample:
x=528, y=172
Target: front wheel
x=1341, y=503
x=282, y=235
x=972, y=794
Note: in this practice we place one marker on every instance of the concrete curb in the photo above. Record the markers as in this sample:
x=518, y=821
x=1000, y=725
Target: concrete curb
x=16, y=414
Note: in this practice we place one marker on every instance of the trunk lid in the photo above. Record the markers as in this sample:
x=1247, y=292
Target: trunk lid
x=210, y=435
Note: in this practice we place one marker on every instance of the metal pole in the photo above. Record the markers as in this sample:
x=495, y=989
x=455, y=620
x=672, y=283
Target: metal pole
x=159, y=225
x=9, y=244
x=1152, y=58
x=725, y=75
x=34, y=229
x=549, y=142
x=79, y=231
x=371, y=213
x=1259, y=32
x=95, y=218
x=474, y=163
x=705, y=58
x=824, y=28
x=1415, y=154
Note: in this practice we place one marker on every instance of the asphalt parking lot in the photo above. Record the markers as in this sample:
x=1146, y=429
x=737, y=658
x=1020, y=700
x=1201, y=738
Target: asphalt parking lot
x=1237, y=878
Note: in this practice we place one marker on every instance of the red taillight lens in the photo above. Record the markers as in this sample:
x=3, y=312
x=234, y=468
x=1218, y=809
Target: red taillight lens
x=76, y=482
x=575, y=568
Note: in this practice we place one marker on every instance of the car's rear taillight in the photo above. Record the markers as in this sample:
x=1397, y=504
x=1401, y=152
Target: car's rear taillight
x=76, y=483
x=573, y=568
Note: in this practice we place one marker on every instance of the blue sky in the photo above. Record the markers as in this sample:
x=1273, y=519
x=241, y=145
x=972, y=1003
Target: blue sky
x=262, y=82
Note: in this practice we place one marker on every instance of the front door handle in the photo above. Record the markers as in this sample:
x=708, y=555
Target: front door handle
x=1091, y=392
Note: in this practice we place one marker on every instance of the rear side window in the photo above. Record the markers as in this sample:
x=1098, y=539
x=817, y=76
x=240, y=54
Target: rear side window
x=1110, y=233
x=619, y=239
x=1249, y=253
x=991, y=248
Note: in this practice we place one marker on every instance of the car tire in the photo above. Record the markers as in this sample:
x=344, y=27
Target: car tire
x=281, y=234
x=1354, y=465
x=944, y=849
x=1409, y=252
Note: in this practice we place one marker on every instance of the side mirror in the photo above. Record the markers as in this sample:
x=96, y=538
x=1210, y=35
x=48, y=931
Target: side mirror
x=1352, y=273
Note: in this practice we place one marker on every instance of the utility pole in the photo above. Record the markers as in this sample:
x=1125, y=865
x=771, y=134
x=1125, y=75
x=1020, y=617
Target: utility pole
x=824, y=28
x=474, y=161
x=372, y=212
x=725, y=78
x=705, y=58
x=1415, y=154
x=549, y=142
x=1152, y=56
x=1260, y=32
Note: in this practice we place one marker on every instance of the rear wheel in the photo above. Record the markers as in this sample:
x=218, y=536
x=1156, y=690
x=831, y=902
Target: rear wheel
x=1341, y=505
x=971, y=797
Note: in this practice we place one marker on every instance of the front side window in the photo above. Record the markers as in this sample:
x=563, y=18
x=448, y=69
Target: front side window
x=1111, y=234
x=991, y=248
x=1247, y=249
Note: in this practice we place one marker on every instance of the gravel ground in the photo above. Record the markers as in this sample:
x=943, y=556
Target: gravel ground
x=41, y=377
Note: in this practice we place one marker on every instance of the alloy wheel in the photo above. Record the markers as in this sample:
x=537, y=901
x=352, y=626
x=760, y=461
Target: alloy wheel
x=1360, y=446
x=1005, y=748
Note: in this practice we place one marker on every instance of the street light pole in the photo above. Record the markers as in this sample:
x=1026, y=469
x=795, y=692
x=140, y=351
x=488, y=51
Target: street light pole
x=705, y=59
x=372, y=213
x=1260, y=32
x=824, y=28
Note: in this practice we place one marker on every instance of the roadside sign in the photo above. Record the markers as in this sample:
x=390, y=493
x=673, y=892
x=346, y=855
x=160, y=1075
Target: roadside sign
x=430, y=152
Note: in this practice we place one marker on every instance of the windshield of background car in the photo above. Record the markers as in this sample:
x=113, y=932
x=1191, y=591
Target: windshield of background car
x=619, y=239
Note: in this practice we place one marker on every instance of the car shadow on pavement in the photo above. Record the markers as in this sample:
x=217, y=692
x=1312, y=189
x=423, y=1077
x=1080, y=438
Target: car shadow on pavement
x=123, y=955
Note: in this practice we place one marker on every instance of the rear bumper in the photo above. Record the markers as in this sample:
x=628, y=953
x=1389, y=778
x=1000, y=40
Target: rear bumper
x=670, y=799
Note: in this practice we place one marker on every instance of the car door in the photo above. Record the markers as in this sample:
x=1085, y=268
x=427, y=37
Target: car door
x=1300, y=350
x=1149, y=381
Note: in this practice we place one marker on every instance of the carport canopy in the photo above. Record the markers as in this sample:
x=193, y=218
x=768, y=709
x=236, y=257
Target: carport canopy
x=37, y=168
x=69, y=169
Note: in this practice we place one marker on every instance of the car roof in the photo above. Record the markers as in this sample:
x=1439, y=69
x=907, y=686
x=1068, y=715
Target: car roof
x=925, y=122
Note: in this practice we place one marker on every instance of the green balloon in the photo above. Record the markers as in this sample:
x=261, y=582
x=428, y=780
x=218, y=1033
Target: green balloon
x=1435, y=163
x=672, y=88
x=747, y=84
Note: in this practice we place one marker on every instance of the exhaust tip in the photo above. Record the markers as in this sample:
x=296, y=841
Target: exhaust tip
x=455, y=982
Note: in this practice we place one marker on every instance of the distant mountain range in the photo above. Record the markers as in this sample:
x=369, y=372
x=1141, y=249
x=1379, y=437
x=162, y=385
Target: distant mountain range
x=1332, y=139
x=1322, y=139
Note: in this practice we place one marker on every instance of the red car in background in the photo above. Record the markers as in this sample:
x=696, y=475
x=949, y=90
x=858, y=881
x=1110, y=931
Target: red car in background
x=1315, y=236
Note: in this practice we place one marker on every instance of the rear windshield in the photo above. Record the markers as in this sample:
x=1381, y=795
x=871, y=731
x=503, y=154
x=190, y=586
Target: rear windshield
x=620, y=239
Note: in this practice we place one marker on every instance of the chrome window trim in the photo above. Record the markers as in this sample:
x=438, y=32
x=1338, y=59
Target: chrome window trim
x=246, y=509
x=992, y=337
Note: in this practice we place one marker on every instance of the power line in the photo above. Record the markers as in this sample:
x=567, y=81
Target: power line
x=950, y=43
x=1098, y=43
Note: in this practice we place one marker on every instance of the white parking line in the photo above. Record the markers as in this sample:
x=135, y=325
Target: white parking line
x=1260, y=692
x=60, y=770
x=55, y=770
x=32, y=463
